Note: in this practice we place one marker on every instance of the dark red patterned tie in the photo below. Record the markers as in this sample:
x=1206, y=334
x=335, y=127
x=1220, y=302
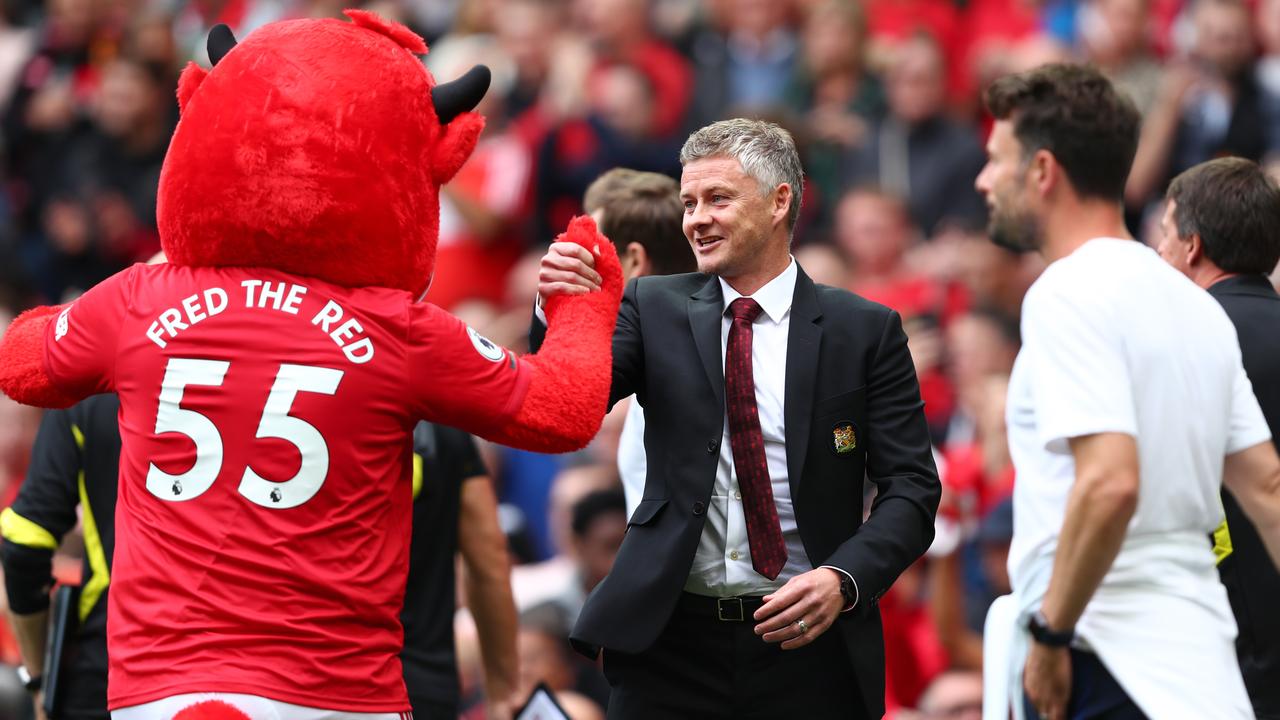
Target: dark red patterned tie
x=764, y=533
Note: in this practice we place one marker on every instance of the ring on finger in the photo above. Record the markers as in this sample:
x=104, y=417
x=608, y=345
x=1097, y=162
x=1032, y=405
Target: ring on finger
x=804, y=627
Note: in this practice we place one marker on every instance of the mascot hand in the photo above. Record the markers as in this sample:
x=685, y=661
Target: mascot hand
x=569, y=393
x=603, y=271
x=22, y=375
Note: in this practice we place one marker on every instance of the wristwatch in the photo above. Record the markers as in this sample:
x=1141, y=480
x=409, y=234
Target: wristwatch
x=847, y=590
x=1038, y=625
x=32, y=683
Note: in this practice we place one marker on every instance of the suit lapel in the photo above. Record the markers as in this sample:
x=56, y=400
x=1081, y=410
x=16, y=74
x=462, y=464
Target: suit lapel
x=706, y=308
x=804, y=339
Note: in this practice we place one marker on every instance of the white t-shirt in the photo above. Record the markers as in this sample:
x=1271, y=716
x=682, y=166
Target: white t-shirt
x=1115, y=340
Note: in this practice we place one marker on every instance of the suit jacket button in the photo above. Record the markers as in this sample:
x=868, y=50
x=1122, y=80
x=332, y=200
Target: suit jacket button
x=699, y=507
x=713, y=446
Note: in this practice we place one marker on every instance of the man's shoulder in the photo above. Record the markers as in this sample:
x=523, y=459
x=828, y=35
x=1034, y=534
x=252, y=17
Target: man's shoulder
x=652, y=289
x=1248, y=301
x=678, y=283
x=1098, y=271
x=1255, y=318
x=847, y=304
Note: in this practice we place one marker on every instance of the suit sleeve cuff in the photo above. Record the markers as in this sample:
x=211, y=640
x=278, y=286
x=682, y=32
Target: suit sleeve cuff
x=856, y=595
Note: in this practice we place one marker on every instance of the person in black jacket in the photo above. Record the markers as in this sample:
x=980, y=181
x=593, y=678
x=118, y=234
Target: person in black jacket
x=455, y=510
x=747, y=583
x=74, y=463
x=1221, y=228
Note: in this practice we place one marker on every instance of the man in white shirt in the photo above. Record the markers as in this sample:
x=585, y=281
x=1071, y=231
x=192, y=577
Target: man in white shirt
x=746, y=586
x=642, y=214
x=1128, y=408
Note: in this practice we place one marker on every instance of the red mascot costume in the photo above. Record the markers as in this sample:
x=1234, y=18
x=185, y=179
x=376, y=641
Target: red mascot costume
x=270, y=374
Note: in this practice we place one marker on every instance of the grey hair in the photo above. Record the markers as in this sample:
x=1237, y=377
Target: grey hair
x=766, y=152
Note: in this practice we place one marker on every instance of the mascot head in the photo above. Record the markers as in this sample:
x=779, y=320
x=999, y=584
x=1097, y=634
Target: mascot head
x=317, y=147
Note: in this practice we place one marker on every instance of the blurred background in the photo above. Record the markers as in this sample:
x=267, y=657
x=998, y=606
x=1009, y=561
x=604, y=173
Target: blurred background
x=883, y=99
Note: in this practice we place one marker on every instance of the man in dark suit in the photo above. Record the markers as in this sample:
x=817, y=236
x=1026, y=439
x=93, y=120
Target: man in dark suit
x=747, y=584
x=1221, y=228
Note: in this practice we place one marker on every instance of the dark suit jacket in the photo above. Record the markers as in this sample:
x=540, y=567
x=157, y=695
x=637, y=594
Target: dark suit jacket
x=1253, y=584
x=847, y=362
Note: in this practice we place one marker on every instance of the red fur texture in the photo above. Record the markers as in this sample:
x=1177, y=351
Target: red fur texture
x=211, y=710
x=569, y=393
x=190, y=79
x=459, y=140
x=313, y=148
x=22, y=374
x=407, y=38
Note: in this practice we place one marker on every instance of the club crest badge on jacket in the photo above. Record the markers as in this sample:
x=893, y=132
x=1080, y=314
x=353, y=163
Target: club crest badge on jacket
x=844, y=437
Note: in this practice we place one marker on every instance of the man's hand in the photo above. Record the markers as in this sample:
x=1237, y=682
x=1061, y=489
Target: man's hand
x=813, y=597
x=37, y=700
x=1047, y=680
x=567, y=269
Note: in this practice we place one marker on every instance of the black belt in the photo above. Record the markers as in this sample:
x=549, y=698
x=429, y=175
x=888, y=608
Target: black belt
x=725, y=609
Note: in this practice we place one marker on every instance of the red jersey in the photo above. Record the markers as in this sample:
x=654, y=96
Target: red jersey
x=263, y=521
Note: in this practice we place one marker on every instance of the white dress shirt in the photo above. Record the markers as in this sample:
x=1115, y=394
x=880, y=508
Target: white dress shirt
x=633, y=464
x=722, y=564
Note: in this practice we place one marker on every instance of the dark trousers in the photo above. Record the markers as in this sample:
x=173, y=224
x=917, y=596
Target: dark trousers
x=1095, y=694
x=432, y=710
x=706, y=668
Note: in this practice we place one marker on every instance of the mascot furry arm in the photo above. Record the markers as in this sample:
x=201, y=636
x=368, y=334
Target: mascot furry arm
x=317, y=147
x=569, y=394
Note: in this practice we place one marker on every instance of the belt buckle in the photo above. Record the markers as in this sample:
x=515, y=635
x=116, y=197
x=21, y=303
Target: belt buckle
x=729, y=609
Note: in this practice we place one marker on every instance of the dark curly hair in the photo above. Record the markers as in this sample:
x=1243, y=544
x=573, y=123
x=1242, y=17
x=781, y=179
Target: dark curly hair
x=1076, y=114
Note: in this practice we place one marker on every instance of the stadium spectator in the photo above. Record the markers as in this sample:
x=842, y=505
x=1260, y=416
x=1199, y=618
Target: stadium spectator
x=545, y=658
x=744, y=67
x=917, y=152
x=1207, y=106
x=529, y=32
x=873, y=228
x=1115, y=36
x=837, y=95
x=484, y=209
x=824, y=263
x=617, y=131
x=1267, y=69
x=620, y=32
x=953, y=695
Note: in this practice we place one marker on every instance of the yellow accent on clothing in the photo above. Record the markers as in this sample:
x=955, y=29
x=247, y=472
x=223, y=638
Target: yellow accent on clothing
x=100, y=574
x=417, y=475
x=21, y=531
x=1222, y=542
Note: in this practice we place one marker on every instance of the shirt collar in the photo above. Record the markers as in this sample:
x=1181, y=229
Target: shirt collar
x=774, y=298
x=1247, y=284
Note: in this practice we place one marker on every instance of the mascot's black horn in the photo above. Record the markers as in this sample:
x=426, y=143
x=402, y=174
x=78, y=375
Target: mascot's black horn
x=221, y=41
x=453, y=98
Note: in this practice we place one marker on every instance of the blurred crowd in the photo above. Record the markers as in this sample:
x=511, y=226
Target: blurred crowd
x=883, y=97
